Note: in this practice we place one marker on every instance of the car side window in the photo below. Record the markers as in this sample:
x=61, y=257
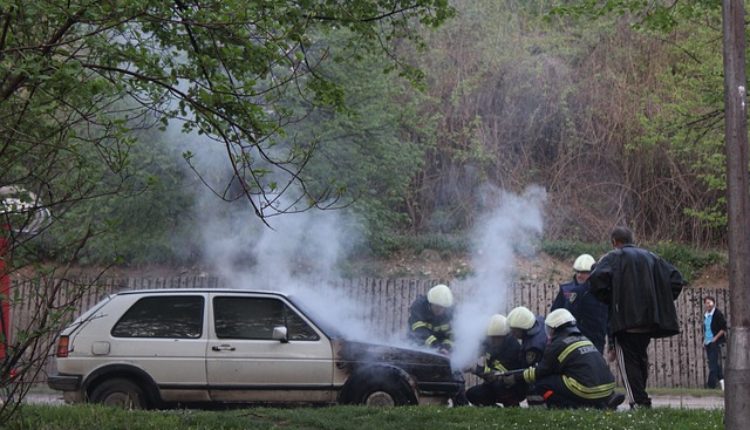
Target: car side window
x=163, y=317
x=255, y=318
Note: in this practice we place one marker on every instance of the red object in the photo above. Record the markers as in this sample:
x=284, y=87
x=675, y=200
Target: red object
x=548, y=394
x=4, y=295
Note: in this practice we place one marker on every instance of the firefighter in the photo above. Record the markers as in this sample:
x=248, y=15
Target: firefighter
x=430, y=319
x=501, y=353
x=529, y=329
x=589, y=312
x=572, y=372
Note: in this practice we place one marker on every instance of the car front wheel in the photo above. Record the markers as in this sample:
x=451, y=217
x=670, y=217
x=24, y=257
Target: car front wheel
x=121, y=393
x=382, y=391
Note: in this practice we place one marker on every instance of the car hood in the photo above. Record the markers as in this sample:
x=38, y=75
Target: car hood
x=423, y=365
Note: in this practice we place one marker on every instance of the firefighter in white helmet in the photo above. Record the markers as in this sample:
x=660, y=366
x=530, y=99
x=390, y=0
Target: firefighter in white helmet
x=501, y=353
x=430, y=325
x=572, y=372
x=591, y=315
x=430, y=319
x=529, y=329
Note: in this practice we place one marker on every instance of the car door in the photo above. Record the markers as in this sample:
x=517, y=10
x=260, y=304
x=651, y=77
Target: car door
x=164, y=335
x=244, y=363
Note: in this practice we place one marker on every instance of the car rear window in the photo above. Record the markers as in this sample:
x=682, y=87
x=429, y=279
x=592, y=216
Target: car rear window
x=163, y=317
x=255, y=318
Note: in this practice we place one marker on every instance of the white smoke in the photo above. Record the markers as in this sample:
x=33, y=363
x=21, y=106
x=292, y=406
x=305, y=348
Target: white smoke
x=509, y=227
x=296, y=253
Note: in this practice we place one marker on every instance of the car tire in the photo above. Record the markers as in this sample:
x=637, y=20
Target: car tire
x=121, y=393
x=382, y=391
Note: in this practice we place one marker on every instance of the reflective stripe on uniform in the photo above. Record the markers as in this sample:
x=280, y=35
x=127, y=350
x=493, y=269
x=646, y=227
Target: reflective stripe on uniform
x=444, y=327
x=529, y=375
x=572, y=347
x=430, y=340
x=497, y=365
x=421, y=324
x=590, y=393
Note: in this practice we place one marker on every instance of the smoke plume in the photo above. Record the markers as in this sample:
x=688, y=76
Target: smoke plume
x=509, y=226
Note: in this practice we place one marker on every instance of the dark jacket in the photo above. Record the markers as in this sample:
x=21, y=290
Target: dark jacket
x=718, y=323
x=428, y=329
x=502, y=358
x=640, y=288
x=583, y=369
x=533, y=343
x=589, y=312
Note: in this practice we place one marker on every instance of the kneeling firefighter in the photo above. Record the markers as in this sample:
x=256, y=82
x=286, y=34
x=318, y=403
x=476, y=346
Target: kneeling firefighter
x=572, y=372
x=501, y=353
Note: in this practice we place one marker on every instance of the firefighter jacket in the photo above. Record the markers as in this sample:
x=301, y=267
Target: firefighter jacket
x=582, y=368
x=589, y=312
x=502, y=358
x=533, y=343
x=428, y=329
x=640, y=288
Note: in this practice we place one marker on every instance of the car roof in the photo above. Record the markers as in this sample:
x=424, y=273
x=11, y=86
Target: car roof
x=200, y=290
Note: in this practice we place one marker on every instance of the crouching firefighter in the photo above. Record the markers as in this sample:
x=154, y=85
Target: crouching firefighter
x=430, y=319
x=501, y=353
x=572, y=372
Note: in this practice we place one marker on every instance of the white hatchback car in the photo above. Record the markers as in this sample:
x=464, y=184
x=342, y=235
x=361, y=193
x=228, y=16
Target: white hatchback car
x=162, y=348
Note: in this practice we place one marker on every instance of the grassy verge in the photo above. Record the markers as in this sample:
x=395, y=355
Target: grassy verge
x=360, y=418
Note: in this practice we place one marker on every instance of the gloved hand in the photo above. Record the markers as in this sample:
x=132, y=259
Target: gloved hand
x=510, y=379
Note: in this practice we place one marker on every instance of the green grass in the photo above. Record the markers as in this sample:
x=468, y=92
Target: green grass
x=360, y=418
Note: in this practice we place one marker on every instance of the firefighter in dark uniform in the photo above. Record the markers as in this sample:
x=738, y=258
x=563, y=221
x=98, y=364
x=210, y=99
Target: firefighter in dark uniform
x=501, y=353
x=430, y=319
x=430, y=325
x=575, y=296
x=529, y=329
x=572, y=372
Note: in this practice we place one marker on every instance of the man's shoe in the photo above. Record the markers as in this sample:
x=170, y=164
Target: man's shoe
x=615, y=400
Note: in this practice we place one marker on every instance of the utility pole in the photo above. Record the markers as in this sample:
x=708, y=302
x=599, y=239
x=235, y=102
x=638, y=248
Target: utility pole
x=737, y=396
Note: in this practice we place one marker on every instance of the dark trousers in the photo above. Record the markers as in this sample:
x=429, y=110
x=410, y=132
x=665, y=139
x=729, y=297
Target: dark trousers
x=557, y=395
x=715, y=372
x=492, y=393
x=632, y=359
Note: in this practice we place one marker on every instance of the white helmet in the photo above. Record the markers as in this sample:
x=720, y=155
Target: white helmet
x=583, y=263
x=521, y=317
x=559, y=317
x=440, y=295
x=497, y=326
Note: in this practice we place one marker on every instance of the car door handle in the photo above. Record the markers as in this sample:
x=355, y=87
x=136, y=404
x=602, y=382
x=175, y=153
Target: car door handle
x=223, y=348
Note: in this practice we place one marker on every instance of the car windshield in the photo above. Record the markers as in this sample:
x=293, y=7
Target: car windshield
x=316, y=317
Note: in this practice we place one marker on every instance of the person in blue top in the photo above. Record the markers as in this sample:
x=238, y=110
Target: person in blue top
x=575, y=296
x=714, y=329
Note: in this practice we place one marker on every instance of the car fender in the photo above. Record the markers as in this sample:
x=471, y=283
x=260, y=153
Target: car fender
x=373, y=371
x=123, y=370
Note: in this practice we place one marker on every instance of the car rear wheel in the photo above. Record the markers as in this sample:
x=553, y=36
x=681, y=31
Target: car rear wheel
x=121, y=393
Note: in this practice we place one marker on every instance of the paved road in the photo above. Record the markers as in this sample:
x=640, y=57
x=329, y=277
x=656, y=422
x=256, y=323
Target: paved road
x=680, y=402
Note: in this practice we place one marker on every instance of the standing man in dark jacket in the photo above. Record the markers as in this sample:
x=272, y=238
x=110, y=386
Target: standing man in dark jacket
x=714, y=330
x=640, y=288
x=572, y=373
x=590, y=313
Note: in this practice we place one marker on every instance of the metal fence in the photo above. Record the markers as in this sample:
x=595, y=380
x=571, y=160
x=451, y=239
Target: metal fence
x=678, y=361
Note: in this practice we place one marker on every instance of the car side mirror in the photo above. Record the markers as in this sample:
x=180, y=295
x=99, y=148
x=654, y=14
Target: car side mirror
x=279, y=333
